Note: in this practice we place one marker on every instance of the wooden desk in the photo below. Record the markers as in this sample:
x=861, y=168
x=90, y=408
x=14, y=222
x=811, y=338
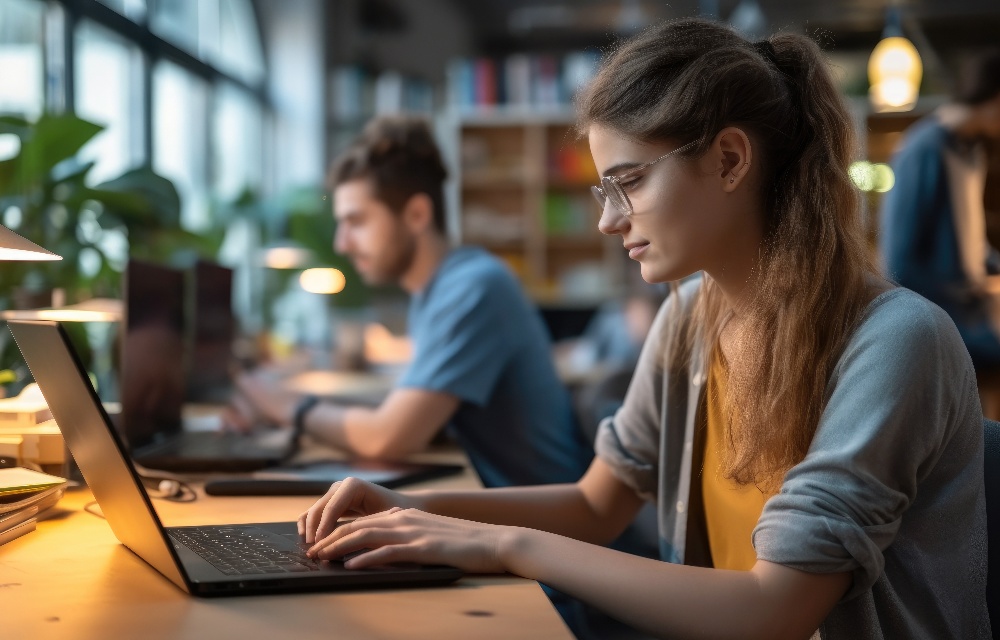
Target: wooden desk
x=72, y=579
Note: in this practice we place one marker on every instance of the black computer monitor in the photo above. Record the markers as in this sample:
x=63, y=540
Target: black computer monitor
x=152, y=359
x=213, y=329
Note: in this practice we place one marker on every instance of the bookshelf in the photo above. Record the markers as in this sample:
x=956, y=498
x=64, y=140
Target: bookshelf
x=521, y=189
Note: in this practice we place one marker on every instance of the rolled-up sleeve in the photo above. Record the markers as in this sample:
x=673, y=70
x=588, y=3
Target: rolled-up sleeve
x=896, y=398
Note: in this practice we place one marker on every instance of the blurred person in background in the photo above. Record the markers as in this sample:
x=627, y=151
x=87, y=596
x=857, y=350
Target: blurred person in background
x=932, y=234
x=481, y=361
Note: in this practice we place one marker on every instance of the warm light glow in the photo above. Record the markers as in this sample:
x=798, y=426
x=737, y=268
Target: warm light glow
x=327, y=281
x=95, y=310
x=868, y=176
x=286, y=257
x=885, y=179
x=385, y=348
x=14, y=247
x=894, y=71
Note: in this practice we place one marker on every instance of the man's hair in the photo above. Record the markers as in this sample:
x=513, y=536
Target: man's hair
x=399, y=157
x=979, y=80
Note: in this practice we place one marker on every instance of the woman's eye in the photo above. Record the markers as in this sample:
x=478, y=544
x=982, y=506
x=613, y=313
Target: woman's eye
x=631, y=183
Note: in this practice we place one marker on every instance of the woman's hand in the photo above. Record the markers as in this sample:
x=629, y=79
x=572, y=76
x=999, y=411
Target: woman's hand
x=409, y=535
x=350, y=497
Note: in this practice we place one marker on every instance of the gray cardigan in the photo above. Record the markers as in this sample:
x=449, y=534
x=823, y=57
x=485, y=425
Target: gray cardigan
x=891, y=488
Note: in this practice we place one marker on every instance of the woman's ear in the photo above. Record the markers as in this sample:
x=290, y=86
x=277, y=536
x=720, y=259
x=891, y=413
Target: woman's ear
x=736, y=154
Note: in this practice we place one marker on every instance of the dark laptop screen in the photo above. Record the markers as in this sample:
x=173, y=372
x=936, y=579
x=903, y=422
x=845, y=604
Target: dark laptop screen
x=152, y=366
x=214, y=329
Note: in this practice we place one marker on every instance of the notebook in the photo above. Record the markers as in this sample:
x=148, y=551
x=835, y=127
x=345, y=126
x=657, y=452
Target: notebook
x=155, y=377
x=204, y=561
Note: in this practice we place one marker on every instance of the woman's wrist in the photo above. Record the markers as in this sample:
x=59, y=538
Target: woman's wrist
x=512, y=545
x=415, y=501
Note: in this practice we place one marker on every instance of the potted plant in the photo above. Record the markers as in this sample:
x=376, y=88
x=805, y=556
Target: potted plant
x=45, y=197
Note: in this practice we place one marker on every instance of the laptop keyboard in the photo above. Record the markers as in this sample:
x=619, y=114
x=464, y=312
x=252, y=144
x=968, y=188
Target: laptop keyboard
x=237, y=551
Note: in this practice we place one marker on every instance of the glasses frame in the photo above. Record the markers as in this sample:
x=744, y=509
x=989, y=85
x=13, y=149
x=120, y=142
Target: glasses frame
x=611, y=190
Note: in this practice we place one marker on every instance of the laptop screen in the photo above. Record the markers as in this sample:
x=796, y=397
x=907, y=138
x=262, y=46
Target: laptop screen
x=213, y=329
x=152, y=361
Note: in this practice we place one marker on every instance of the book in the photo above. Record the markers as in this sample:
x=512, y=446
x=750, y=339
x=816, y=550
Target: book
x=23, y=488
x=14, y=518
x=18, y=480
x=17, y=531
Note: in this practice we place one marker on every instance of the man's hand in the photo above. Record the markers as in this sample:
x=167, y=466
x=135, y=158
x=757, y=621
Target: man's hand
x=259, y=400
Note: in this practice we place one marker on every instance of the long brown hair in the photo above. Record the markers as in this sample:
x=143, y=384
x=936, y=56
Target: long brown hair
x=684, y=81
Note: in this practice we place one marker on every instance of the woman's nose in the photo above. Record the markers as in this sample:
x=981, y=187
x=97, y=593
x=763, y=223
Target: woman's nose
x=612, y=221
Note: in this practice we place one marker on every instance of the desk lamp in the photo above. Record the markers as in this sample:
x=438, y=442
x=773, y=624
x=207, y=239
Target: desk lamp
x=14, y=247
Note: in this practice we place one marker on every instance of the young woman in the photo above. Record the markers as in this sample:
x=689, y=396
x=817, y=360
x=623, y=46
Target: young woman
x=811, y=434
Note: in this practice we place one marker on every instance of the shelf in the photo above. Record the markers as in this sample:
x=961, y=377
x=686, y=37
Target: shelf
x=581, y=241
x=499, y=180
x=570, y=185
x=506, y=245
x=521, y=165
x=506, y=116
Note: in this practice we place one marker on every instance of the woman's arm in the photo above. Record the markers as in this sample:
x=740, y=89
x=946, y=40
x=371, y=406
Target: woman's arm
x=595, y=509
x=770, y=601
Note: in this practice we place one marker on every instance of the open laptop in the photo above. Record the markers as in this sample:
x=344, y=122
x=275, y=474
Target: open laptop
x=154, y=376
x=208, y=560
x=213, y=332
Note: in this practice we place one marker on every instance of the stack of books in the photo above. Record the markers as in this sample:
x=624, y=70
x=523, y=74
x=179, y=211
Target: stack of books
x=24, y=496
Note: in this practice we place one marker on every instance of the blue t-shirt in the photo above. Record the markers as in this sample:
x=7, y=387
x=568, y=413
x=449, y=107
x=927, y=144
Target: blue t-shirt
x=477, y=337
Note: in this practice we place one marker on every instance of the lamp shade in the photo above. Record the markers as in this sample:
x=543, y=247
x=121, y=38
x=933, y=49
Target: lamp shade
x=14, y=247
x=894, y=70
x=93, y=310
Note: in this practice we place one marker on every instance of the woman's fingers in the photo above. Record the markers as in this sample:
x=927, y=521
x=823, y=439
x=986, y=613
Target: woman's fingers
x=346, y=500
x=309, y=520
x=348, y=497
x=314, y=516
x=409, y=535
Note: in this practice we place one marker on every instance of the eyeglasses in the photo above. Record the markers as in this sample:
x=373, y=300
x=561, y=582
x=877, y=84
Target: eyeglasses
x=611, y=186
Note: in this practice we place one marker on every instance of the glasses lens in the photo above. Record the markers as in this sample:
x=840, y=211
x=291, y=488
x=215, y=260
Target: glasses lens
x=599, y=196
x=617, y=196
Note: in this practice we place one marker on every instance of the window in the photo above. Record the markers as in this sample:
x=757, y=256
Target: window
x=131, y=9
x=177, y=21
x=221, y=32
x=108, y=73
x=238, y=134
x=240, y=51
x=207, y=115
x=22, y=89
x=180, y=108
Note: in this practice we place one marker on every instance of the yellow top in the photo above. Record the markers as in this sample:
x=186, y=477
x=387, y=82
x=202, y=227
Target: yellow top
x=731, y=510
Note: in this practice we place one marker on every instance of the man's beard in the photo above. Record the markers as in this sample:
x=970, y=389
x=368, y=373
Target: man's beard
x=399, y=261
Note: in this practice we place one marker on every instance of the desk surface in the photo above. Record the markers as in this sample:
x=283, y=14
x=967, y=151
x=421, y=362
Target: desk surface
x=72, y=579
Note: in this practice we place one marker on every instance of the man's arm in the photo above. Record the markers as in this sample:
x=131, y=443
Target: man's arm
x=403, y=424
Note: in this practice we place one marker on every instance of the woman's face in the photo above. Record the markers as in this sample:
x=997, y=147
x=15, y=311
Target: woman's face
x=683, y=218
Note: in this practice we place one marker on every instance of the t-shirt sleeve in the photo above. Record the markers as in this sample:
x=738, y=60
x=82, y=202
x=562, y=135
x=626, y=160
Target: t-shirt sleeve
x=902, y=390
x=464, y=340
x=629, y=441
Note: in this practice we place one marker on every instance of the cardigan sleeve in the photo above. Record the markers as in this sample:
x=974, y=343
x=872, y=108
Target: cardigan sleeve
x=902, y=404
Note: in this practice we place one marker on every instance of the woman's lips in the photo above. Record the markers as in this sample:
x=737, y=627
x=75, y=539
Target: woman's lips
x=635, y=251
